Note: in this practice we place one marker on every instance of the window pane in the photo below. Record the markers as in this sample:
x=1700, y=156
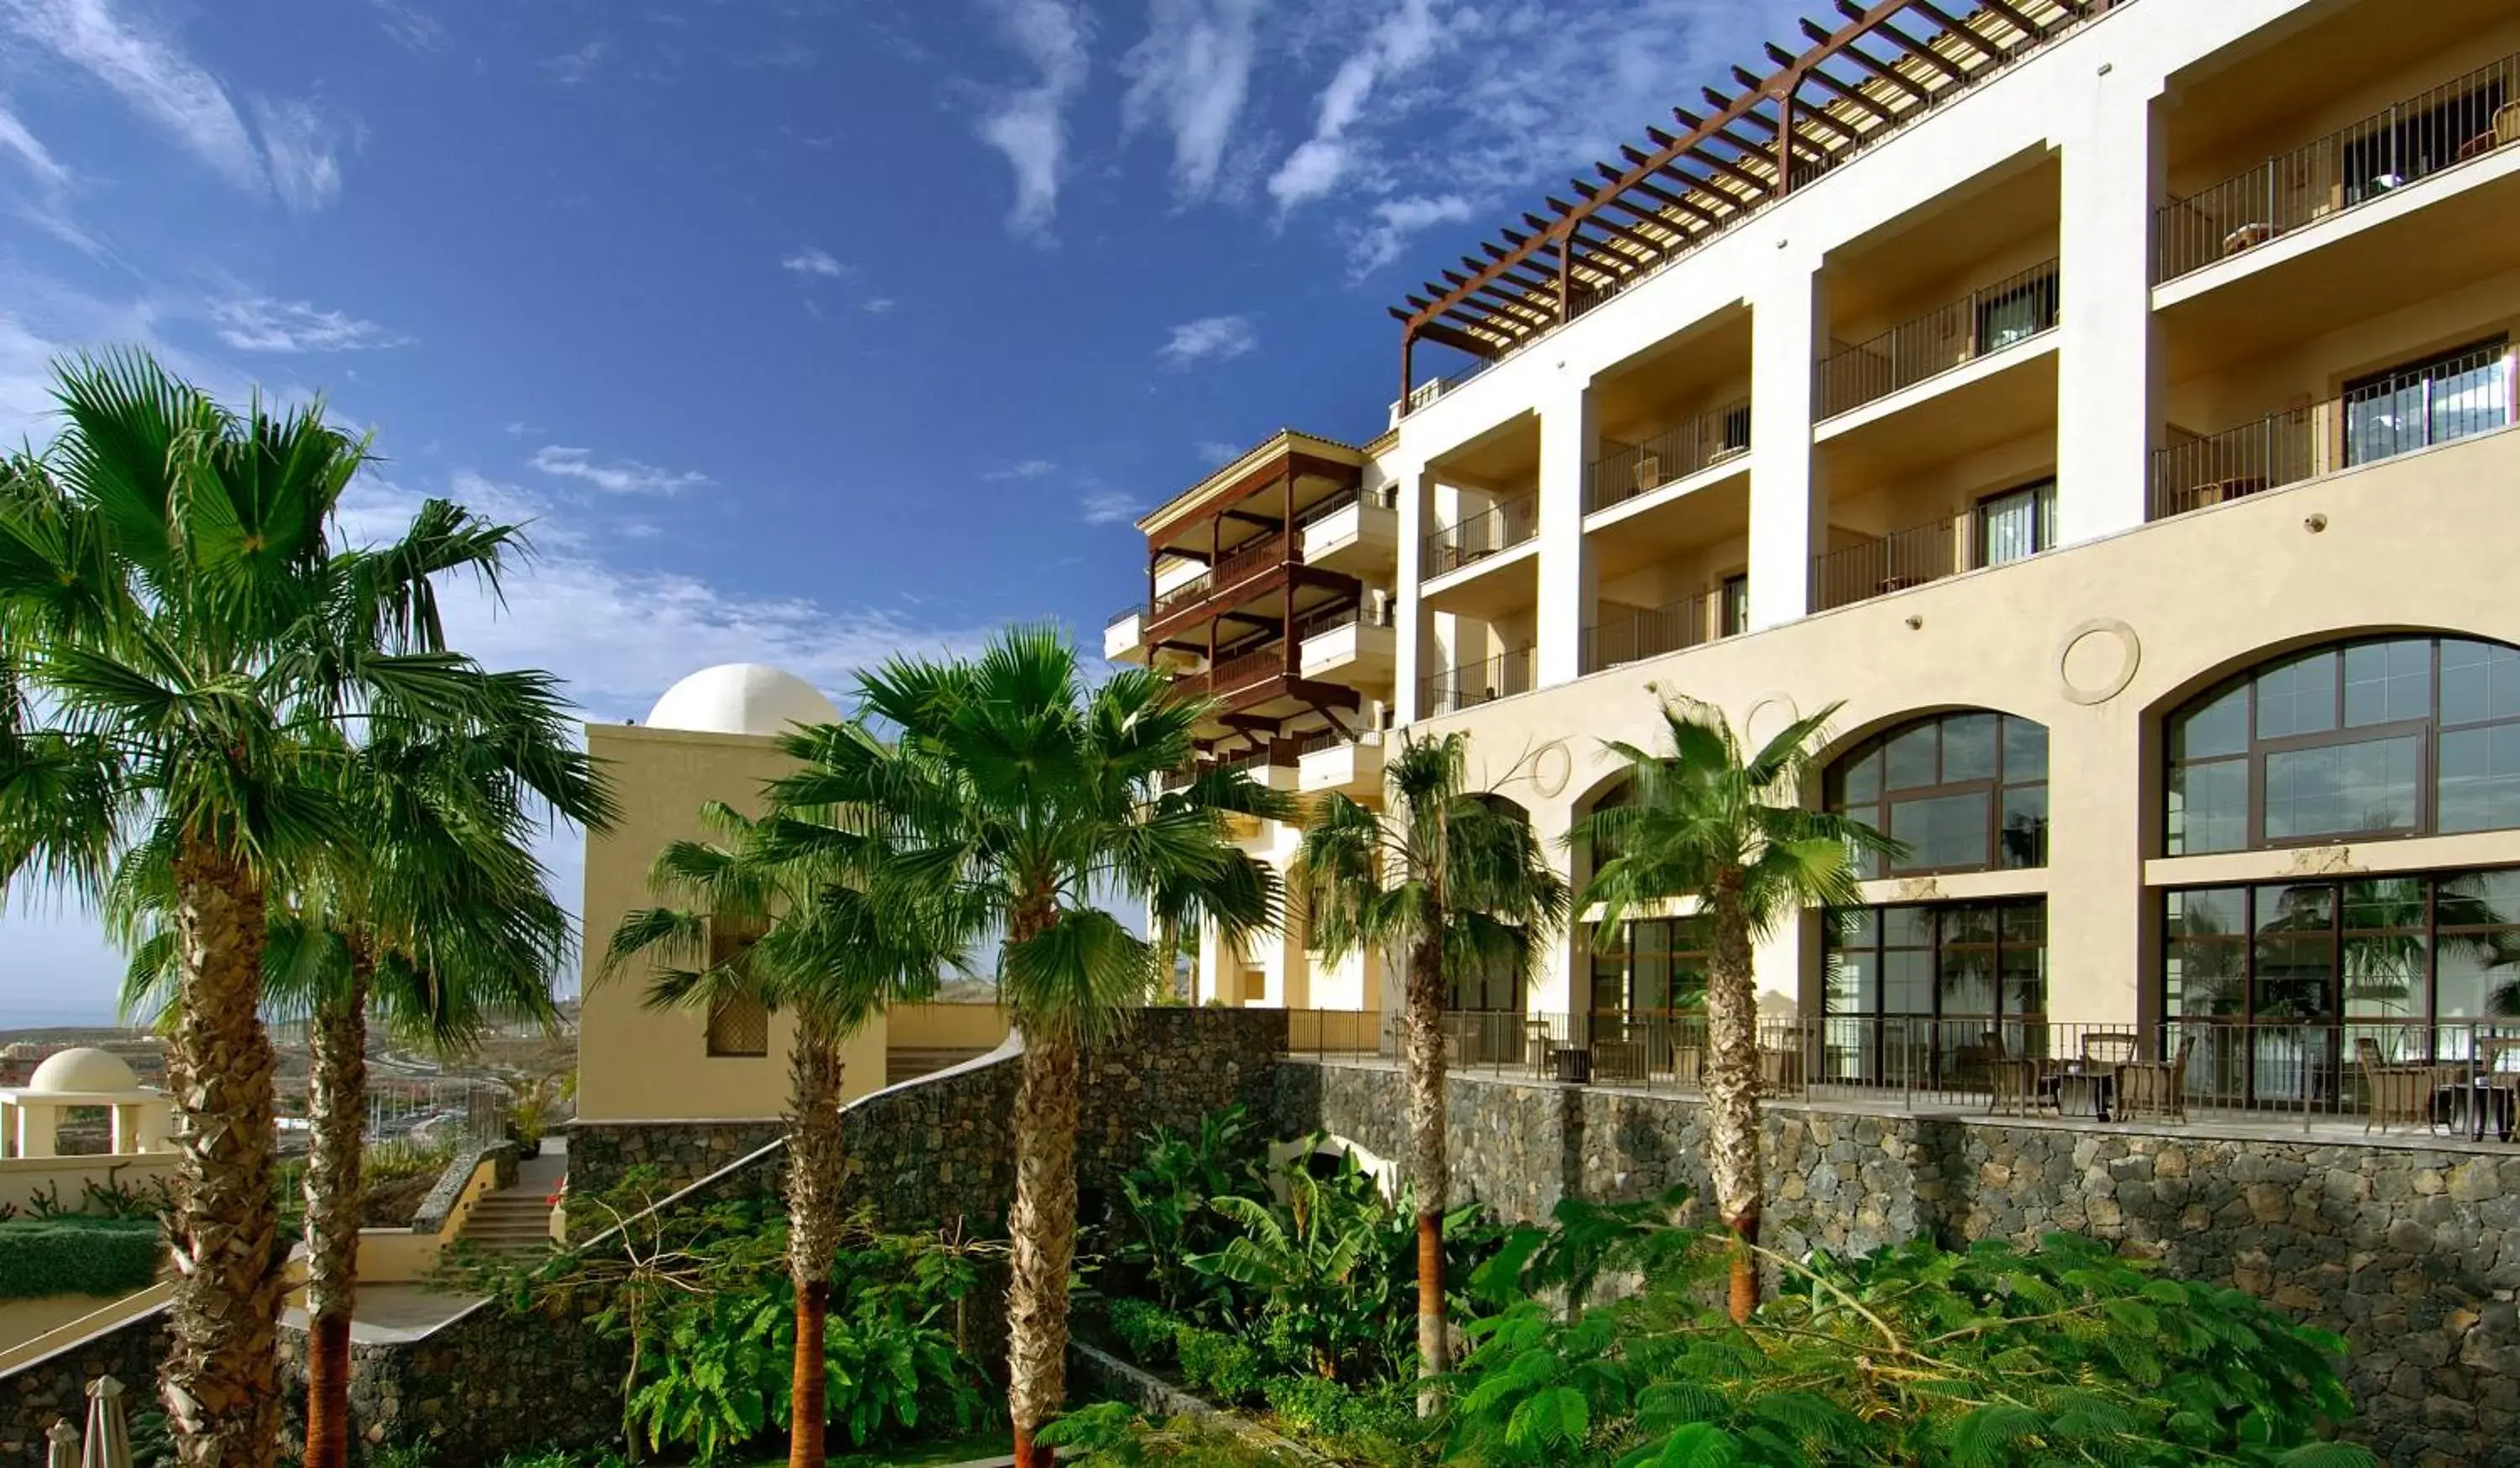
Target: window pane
x=2480, y=778
x=2479, y=681
x=2007, y=527
x=1968, y=925
x=2468, y=402
x=1948, y=830
x=2386, y=682
x=2209, y=808
x=2386, y=958
x=1968, y=747
x=2341, y=789
x=1968, y=981
x=2478, y=956
x=1860, y=778
x=2025, y=827
x=2295, y=952
x=1908, y=927
x=1911, y=758
x=2025, y=980
x=2221, y=726
x=2025, y=750
x=2297, y=697
x=1907, y=981
x=1855, y=927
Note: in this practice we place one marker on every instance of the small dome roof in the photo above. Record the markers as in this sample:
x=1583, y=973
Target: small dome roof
x=82, y=1071
x=742, y=699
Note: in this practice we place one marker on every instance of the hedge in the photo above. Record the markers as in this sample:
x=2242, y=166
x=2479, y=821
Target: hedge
x=77, y=1256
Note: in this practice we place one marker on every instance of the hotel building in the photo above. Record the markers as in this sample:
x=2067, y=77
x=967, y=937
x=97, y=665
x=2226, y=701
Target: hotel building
x=2107, y=405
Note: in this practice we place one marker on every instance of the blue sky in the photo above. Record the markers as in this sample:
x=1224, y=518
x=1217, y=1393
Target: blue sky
x=801, y=331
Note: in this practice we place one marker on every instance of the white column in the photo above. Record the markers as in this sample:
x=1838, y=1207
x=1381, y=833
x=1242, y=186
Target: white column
x=1788, y=506
x=1567, y=443
x=2110, y=398
x=37, y=1124
x=1408, y=622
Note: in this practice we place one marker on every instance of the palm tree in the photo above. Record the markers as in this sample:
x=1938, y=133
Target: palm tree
x=1451, y=885
x=177, y=671
x=786, y=931
x=1002, y=798
x=1711, y=823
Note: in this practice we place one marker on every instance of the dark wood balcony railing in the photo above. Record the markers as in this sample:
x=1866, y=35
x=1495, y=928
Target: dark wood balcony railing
x=1677, y=452
x=1482, y=535
x=1484, y=682
x=1647, y=634
x=1987, y=320
x=1247, y=559
x=2463, y=118
x=1894, y=562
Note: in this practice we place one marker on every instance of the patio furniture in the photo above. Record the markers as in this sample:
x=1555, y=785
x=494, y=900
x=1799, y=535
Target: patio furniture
x=1780, y=1071
x=2111, y=1048
x=2506, y=123
x=2247, y=237
x=1649, y=473
x=2395, y=1091
x=1536, y=1045
x=2084, y=1090
x=1619, y=1061
x=2462, y=1102
x=2017, y=1085
x=1574, y=1065
x=2150, y=1087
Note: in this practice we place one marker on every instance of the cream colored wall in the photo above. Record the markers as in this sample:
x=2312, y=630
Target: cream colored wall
x=2424, y=541
x=22, y=1320
x=635, y=1063
x=1998, y=261
x=2299, y=373
x=943, y=1026
x=22, y=1177
x=1638, y=426
x=1941, y=490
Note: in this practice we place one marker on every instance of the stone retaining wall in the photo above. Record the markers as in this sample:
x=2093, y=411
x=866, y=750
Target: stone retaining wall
x=2409, y=1248
x=35, y=1394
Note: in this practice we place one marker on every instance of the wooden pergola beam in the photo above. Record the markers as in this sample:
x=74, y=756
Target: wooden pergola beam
x=1910, y=44
x=2020, y=18
x=1955, y=30
x=1883, y=70
x=1852, y=96
x=1661, y=196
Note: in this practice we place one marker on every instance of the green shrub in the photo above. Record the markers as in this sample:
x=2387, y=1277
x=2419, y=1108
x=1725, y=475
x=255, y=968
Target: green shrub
x=1311, y=1407
x=74, y=1254
x=1146, y=1332
x=1110, y=1435
x=1225, y=1368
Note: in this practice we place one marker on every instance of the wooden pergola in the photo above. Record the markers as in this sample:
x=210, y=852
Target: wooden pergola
x=1883, y=66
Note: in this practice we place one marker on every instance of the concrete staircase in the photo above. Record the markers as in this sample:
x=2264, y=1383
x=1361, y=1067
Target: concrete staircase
x=518, y=1220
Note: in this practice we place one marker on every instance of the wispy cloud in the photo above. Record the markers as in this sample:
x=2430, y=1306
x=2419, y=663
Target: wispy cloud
x=1210, y=339
x=573, y=67
x=814, y=262
x=1216, y=451
x=1029, y=125
x=877, y=306
x=1193, y=72
x=1108, y=507
x=1404, y=38
x=151, y=74
x=38, y=159
x=299, y=146
x=412, y=28
x=1396, y=220
x=1022, y=469
x=262, y=324
x=620, y=477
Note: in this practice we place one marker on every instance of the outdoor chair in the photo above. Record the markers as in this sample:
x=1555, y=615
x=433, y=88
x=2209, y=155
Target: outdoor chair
x=1536, y=1046
x=2018, y=1086
x=2395, y=1092
x=2149, y=1087
x=1649, y=473
x=2110, y=1047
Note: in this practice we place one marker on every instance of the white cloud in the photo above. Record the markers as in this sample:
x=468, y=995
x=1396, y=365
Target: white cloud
x=1396, y=220
x=1109, y=508
x=572, y=67
x=1193, y=71
x=151, y=74
x=1026, y=468
x=1210, y=339
x=1404, y=38
x=812, y=262
x=39, y=160
x=877, y=306
x=297, y=144
x=262, y=324
x=1030, y=125
x=1216, y=453
x=412, y=28
x=622, y=477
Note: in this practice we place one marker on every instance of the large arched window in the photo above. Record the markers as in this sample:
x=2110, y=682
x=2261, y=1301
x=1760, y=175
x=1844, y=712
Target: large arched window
x=2377, y=736
x=1964, y=791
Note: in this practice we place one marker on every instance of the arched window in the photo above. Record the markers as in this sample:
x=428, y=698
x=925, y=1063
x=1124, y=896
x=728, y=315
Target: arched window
x=2377, y=736
x=1965, y=792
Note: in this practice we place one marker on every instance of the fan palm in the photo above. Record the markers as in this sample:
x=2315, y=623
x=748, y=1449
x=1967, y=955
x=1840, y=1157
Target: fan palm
x=1711, y=822
x=1452, y=884
x=786, y=931
x=182, y=648
x=1000, y=798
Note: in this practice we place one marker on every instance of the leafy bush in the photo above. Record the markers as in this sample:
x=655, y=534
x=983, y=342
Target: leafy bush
x=1373, y=1423
x=1911, y=1354
x=1146, y=1330
x=75, y=1254
x=1110, y=1435
x=1161, y=1215
x=1224, y=1367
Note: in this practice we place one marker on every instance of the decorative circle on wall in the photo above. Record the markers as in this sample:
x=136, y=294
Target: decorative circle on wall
x=1551, y=766
x=1769, y=716
x=2098, y=660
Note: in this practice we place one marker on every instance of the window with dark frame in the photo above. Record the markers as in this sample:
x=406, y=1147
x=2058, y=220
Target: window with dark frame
x=1964, y=791
x=1736, y=604
x=2355, y=740
x=1930, y=992
x=2016, y=523
x=1654, y=971
x=2437, y=399
x=2006, y=317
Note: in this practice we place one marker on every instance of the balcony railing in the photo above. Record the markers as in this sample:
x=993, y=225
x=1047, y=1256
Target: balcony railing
x=1133, y=609
x=1312, y=626
x=1987, y=320
x=1253, y=555
x=1895, y=561
x=1482, y=535
x=1383, y=498
x=1484, y=682
x=2414, y=139
x=1645, y=634
x=1702, y=442
x=2418, y=407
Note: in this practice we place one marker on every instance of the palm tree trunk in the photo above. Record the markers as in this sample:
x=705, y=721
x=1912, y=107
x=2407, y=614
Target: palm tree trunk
x=220, y=1380
x=1042, y=1227
x=817, y=1168
x=1733, y=1087
x=1430, y=1171
x=336, y=1092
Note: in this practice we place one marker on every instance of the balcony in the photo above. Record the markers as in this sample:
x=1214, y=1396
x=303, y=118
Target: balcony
x=1331, y=761
x=1248, y=561
x=1475, y=683
x=1636, y=636
x=2465, y=118
x=1676, y=454
x=1887, y=563
x=1357, y=532
x=1124, y=636
x=1347, y=643
x=1490, y=532
x=2453, y=397
x=1986, y=320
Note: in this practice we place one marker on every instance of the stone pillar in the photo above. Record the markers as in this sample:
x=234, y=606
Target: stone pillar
x=37, y=1122
x=2110, y=397
x=1568, y=443
x=1788, y=504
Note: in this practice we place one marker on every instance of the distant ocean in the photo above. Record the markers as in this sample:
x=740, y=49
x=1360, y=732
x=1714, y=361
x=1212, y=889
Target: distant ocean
x=22, y=1014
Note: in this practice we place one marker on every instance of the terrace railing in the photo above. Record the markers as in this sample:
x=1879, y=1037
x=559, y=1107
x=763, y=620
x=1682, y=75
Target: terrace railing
x=1894, y=562
x=1987, y=320
x=1669, y=628
x=1383, y=498
x=1482, y=535
x=1706, y=440
x=1484, y=682
x=1245, y=560
x=1315, y=624
x=2463, y=118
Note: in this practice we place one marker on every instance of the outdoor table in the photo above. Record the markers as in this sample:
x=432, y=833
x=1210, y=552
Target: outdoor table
x=2078, y=1092
x=2473, y=1103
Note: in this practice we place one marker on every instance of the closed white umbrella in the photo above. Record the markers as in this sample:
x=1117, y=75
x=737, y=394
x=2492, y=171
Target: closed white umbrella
x=108, y=1436
x=62, y=1444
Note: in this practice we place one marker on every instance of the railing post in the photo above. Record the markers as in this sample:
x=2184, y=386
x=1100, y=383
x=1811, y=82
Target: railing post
x=2271, y=226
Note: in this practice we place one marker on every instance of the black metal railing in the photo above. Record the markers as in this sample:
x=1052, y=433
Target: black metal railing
x=1638, y=636
x=1987, y=320
x=1133, y=609
x=1474, y=683
x=2463, y=118
x=1894, y=562
x=1708, y=439
x=1336, y=617
x=1383, y=498
x=1477, y=537
x=2434, y=403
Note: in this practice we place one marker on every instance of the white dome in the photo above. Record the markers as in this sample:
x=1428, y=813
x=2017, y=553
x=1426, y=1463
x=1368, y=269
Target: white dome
x=82, y=1071
x=742, y=699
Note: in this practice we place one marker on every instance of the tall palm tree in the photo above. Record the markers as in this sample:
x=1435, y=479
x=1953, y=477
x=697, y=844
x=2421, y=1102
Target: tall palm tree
x=786, y=930
x=1450, y=885
x=174, y=670
x=1004, y=799
x=1712, y=823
